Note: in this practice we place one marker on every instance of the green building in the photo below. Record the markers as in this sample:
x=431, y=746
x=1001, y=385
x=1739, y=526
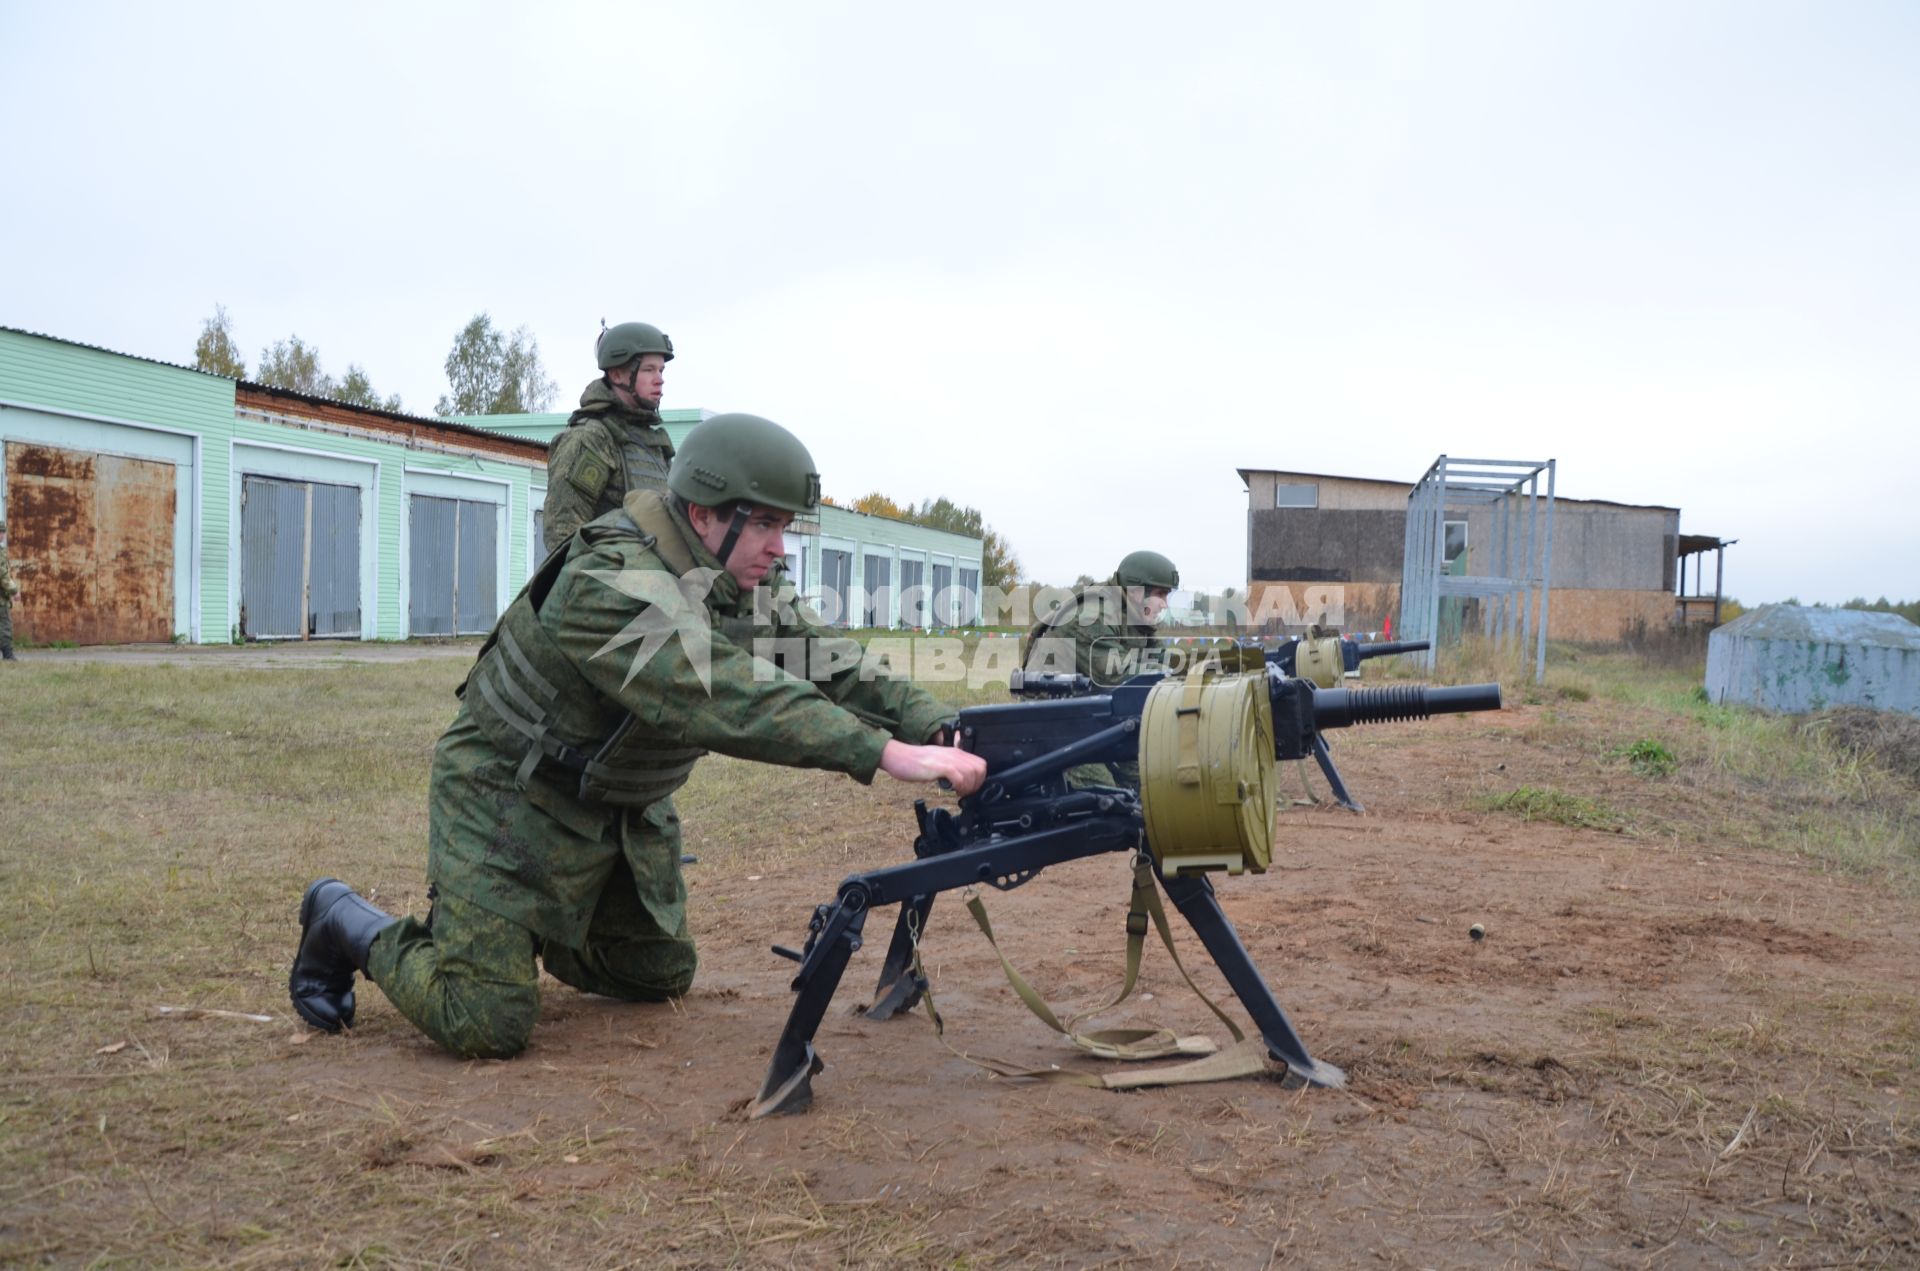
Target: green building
x=860, y=570
x=147, y=502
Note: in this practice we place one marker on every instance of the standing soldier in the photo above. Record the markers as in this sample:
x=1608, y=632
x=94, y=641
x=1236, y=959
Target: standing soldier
x=8, y=590
x=552, y=837
x=1100, y=633
x=614, y=443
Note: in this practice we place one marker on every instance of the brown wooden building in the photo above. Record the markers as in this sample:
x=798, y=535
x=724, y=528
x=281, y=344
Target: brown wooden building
x=1614, y=564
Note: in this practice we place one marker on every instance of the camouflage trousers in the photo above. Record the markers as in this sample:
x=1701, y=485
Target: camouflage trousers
x=6, y=628
x=468, y=978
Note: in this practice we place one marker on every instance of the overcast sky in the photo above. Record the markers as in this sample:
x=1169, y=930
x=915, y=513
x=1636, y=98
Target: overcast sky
x=1071, y=263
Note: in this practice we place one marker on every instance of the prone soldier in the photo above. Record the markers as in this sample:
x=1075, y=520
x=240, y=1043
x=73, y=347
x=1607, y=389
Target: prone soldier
x=552, y=831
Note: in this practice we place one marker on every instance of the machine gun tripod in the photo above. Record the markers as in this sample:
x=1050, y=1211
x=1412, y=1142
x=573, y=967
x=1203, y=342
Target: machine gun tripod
x=1025, y=819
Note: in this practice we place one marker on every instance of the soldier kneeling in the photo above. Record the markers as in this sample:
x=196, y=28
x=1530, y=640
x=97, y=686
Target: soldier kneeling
x=552, y=834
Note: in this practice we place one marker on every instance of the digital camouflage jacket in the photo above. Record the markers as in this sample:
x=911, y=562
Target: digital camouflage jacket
x=605, y=452
x=625, y=659
x=1090, y=636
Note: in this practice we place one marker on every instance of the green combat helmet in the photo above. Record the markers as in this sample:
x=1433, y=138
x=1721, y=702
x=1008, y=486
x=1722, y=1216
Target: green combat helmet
x=744, y=457
x=1147, y=569
x=619, y=345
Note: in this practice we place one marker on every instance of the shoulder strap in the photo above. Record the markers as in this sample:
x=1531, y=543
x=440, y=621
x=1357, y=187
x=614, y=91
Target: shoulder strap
x=651, y=516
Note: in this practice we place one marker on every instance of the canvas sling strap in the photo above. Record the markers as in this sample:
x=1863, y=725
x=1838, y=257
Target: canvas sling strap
x=1244, y=1057
x=1312, y=800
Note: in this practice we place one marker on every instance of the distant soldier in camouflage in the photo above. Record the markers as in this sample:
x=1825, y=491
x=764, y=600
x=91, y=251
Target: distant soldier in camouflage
x=553, y=838
x=8, y=590
x=614, y=444
x=1101, y=634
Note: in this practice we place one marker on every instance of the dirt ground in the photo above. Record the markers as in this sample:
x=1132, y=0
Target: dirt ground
x=1630, y=1069
x=1669, y=1050
x=269, y=653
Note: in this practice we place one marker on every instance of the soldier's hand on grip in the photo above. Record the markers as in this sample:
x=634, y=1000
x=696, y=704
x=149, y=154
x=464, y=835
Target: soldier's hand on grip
x=962, y=770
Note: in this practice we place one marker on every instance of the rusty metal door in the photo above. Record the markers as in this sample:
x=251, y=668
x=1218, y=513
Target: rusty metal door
x=299, y=559
x=452, y=566
x=91, y=541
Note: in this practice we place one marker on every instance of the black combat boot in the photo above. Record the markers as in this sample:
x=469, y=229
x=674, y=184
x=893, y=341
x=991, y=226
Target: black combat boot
x=337, y=927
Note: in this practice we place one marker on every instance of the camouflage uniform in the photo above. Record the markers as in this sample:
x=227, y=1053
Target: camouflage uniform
x=8, y=590
x=1091, y=636
x=606, y=451
x=552, y=827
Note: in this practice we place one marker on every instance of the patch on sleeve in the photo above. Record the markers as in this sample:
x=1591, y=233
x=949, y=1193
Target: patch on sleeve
x=589, y=475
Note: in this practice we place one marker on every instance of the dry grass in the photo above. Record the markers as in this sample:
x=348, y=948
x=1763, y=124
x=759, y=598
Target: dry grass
x=1838, y=789
x=1533, y=803
x=158, y=822
x=1702, y=1106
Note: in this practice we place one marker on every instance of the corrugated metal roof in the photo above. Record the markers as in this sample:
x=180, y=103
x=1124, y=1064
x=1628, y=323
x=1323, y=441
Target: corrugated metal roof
x=1827, y=626
x=250, y=396
x=556, y=418
x=1245, y=473
x=82, y=344
x=430, y=421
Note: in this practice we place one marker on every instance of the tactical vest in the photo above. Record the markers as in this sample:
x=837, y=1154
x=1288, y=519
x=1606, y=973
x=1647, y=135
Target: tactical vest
x=526, y=695
x=643, y=463
x=646, y=464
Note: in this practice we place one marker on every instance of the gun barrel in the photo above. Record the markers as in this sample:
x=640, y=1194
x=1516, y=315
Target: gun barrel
x=1345, y=707
x=1387, y=648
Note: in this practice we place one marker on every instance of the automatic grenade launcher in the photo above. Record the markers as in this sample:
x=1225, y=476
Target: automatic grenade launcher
x=1206, y=744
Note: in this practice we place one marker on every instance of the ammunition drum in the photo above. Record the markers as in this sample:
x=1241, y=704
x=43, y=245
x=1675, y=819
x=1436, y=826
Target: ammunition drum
x=1206, y=773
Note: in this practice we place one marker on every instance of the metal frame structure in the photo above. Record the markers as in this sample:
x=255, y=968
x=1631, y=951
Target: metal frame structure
x=1519, y=561
x=1697, y=546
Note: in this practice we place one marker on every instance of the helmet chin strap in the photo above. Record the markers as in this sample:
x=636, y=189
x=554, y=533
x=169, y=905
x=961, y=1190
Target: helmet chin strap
x=727, y=544
x=632, y=389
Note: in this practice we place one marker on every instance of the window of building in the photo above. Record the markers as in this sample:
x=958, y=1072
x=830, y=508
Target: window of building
x=1296, y=496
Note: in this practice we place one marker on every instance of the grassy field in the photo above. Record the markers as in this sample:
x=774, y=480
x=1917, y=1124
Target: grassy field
x=1839, y=788
x=158, y=822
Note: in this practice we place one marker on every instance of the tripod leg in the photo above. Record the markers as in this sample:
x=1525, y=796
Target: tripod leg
x=1324, y=758
x=899, y=987
x=789, y=1083
x=1193, y=895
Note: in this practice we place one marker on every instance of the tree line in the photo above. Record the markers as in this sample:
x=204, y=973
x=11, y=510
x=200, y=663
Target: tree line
x=999, y=565
x=495, y=372
x=489, y=371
